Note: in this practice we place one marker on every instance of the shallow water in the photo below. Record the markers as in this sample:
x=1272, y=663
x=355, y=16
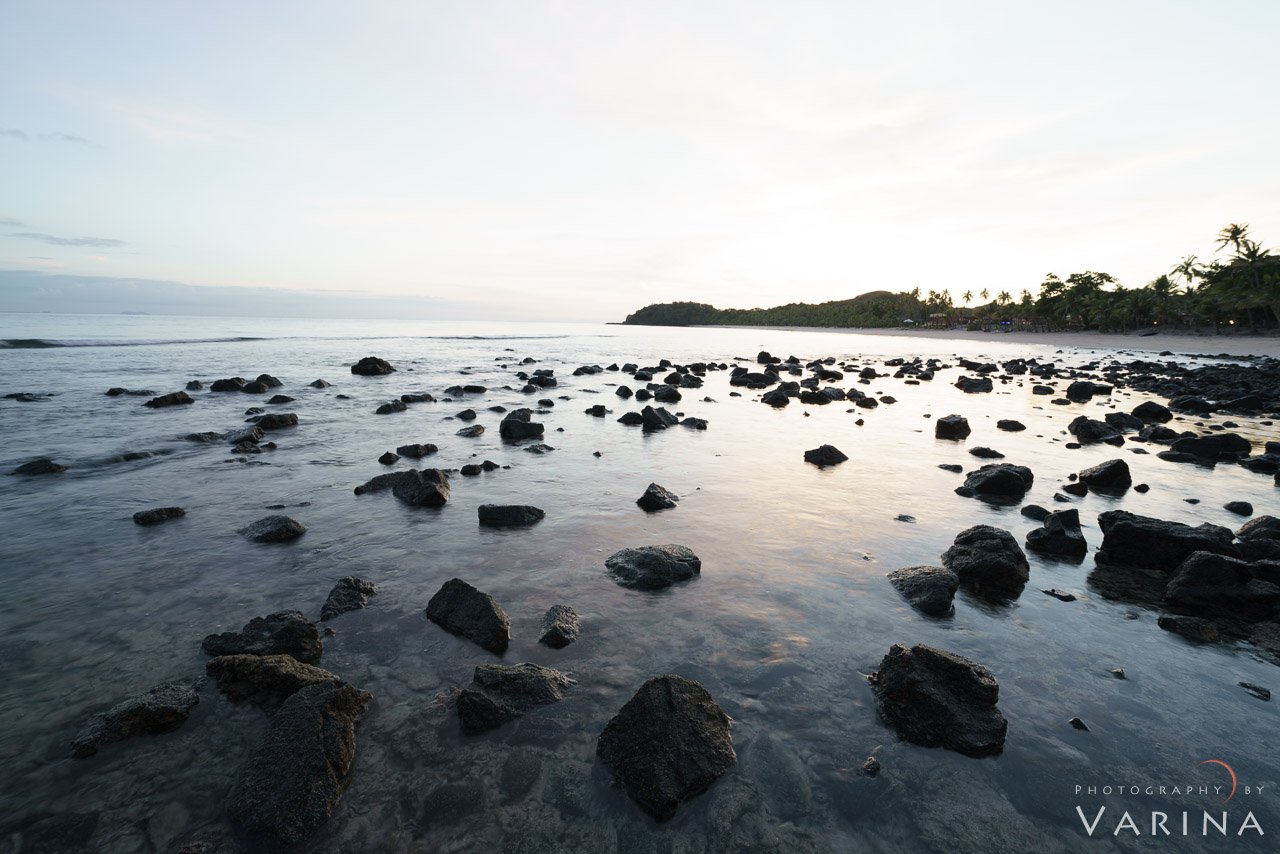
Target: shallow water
x=792, y=608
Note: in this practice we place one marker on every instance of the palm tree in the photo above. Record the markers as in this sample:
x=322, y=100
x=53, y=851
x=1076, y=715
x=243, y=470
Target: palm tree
x=1187, y=269
x=967, y=296
x=1233, y=234
x=984, y=293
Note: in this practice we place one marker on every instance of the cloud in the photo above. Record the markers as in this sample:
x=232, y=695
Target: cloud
x=6, y=222
x=53, y=239
x=55, y=136
x=15, y=133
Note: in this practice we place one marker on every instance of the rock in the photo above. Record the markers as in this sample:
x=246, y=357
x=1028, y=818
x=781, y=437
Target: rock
x=319, y=384
x=40, y=465
x=1090, y=431
x=1010, y=425
x=929, y=589
x=1123, y=421
x=391, y=407
x=1195, y=629
x=265, y=681
x=1256, y=690
x=273, y=529
x=631, y=419
x=623, y=392
x=974, y=385
x=936, y=698
x=1141, y=541
x=291, y=782
x=1262, y=528
x=471, y=432
x=499, y=693
x=160, y=709
x=349, y=594
x=669, y=743
x=986, y=453
x=276, y=421
x=1240, y=508
x=516, y=426
x=657, y=498
x=509, y=515
x=372, y=366
x=389, y=459
x=951, y=427
x=1213, y=585
x=172, y=399
x=989, y=559
x=1077, y=489
x=156, y=515
x=1110, y=477
x=777, y=398
x=1219, y=446
x=560, y=626
x=694, y=423
x=824, y=455
x=417, y=451
x=1036, y=512
x=417, y=488
x=1060, y=535
x=653, y=567
x=281, y=398
x=282, y=633
x=1076, y=723
x=467, y=415
x=1000, y=481
x=463, y=610
x=871, y=767
x=951, y=467
x=1152, y=412
x=228, y=384
x=657, y=419
x=1060, y=595
x=537, y=449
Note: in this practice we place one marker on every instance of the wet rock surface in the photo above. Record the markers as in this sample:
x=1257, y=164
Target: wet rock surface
x=349, y=594
x=160, y=709
x=1143, y=541
x=988, y=559
x=1059, y=536
x=273, y=529
x=285, y=632
x=461, y=609
x=500, y=692
x=930, y=589
x=156, y=515
x=824, y=455
x=653, y=567
x=509, y=515
x=656, y=498
x=669, y=743
x=265, y=681
x=560, y=626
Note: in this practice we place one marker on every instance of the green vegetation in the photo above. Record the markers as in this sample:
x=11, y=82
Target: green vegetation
x=1240, y=289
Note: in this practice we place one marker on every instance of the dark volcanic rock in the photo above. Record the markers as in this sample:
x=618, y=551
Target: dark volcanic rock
x=156, y=515
x=417, y=488
x=228, y=384
x=989, y=559
x=291, y=782
x=667, y=744
x=560, y=626
x=824, y=455
x=282, y=633
x=1112, y=476
x=319, y=384
x=951, y=427
x=276, y=420
x=999, y=481
x=372, y=366
x=1091, y=432
x=471, y=432
x=1213, y=585
x=974, y=385
x=516, y=426
x=652, y=567
x=265, y=681
x=939, y=699
x=502, y=692
x=463, y=610
x=1010, y=425
x=273, y=529
x=417, y=451
x=657, y=498
x=1060, y=535
x=777, y=398
x=986, y=453
x=1240, y=508
x=509, y=515
x=40, y=465
x=1152, y=412
x=1141, y=541
x=389, y=458
x=160, y=709
x=927, y=588
x=349, y=594
x=171, y=399
x=654, y=419
x=391, y=407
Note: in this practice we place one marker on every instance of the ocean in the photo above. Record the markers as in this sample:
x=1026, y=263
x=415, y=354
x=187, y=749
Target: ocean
x=789, y=615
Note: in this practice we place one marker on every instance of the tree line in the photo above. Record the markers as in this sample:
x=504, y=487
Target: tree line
x=1238, y=288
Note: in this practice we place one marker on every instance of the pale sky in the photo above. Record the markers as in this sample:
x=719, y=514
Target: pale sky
x=577, y=160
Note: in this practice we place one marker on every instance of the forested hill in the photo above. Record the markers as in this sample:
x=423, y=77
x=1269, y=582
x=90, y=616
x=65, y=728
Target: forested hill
x=878, y=308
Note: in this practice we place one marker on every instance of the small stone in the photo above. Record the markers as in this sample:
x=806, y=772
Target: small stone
x=157, y=515
x=1079, y=724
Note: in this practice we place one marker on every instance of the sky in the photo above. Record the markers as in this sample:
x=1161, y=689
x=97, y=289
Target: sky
x=577, y=160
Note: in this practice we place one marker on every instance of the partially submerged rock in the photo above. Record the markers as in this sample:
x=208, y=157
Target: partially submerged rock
x=1213, y=585
x=1060, y=535
x=1142, y=541
x=930, y=589
x=657, y=498
x=668, y=744
x=415, y=487
x=825, y=455
x=285, y=632
x=499, y=693
x=951, y=427
x=653, y=567
x=349, y=594
x=156, y=515
x=517, y=426
x=509, y=515
x=291, y=782
x=40, y=465
x=463, y=610
x=265, y=681
x=172, y=399
x=273, y=529
x=988, y=559
x=372, y=366
x=998, y=482
x=1110, y=477
x=939, y=699
x=160, y=709
x=560, y=626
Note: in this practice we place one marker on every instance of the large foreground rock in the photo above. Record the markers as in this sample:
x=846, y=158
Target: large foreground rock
x=509, y=515
x=349, y=594
x=1142, y=541
x=1213, y=585
x=929, y=589
x=265, y=681
x=291, y=782
x=463, y=610
x=653, y=567
x=1059, y=536
x=160, y=709
x=989, y=559
x=939, y=699
x=499, y=693
x=285, y=632
x=667, y=744
x=274, y=529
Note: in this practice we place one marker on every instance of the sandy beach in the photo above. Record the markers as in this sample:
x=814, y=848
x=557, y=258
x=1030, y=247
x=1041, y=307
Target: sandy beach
x=1180, y=343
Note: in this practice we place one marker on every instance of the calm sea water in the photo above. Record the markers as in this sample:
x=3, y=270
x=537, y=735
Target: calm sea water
x=791, y=611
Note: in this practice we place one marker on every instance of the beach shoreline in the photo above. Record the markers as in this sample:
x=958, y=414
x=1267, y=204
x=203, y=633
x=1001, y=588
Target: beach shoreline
x=1177, y=342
